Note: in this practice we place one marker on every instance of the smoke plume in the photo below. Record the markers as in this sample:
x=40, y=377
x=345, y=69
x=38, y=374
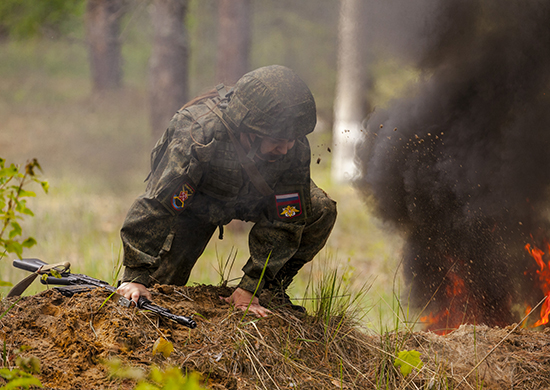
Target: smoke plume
x=462, y=168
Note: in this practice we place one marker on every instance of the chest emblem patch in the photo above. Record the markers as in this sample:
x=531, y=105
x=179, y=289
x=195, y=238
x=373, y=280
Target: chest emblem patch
x=180, y=197
x=288, y=205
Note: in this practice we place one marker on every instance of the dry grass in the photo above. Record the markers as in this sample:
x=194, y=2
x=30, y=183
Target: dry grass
x=288, y=350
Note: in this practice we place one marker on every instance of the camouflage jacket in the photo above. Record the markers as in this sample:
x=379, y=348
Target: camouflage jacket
x=195, y=171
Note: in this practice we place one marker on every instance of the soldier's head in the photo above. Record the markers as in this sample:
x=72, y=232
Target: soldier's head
x=272, y=102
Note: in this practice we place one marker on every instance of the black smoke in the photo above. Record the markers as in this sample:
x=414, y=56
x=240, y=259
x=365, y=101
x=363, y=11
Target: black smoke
x=462, y=168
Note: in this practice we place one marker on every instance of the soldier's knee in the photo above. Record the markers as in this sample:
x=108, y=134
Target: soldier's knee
x=323, y=207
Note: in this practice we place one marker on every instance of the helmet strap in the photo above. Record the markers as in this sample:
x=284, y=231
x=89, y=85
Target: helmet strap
x=254, y=146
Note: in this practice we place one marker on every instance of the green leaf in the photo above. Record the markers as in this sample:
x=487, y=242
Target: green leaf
x=8, y=374
x=9, y=172
x=156, y=375
x=5, y=284
x=30, y=364
x=118, y=370
x=15, y=229
x=22, y=383
x=407, y=360
x=25, y=193
x=29, y=242
x=18, y=379
x=55, y=274
x=14, y=247
x=45, y=186
x=22, y=208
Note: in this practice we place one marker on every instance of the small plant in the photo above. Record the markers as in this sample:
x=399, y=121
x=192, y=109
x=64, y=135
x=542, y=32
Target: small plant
x=13, y=205
x=336, y=303
x=407, y=361
x=22, y=376
x=171, y=378
x=224, y=267
x=18, y=379
x=334, y=300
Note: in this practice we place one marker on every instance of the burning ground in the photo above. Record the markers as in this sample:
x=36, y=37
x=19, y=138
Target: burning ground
x=460, y=165
x=73, y=337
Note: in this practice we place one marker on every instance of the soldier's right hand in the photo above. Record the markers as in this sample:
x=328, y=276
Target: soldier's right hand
x=133, y=291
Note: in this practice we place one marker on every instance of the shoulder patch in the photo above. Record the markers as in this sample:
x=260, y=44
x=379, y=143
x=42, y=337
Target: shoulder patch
x=182, y=196
x=288, y=205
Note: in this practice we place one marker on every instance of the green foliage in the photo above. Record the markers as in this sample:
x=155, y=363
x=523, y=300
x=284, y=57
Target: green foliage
x=119, y=370
x=407, y=360
x=21, y=377
x=13, y=205
x=18, y=379
x=170, y=378
x=334, y=297
x=29, y=18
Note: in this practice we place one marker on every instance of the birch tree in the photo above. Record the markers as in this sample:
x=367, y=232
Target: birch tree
x=350, y=106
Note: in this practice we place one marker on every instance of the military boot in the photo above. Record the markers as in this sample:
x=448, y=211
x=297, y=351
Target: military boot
x=277, y=298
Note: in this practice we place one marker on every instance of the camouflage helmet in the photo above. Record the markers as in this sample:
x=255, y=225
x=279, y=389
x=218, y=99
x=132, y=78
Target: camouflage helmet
x=272, y=101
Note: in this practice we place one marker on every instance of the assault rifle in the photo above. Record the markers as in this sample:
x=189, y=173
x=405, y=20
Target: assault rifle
x=77, y=283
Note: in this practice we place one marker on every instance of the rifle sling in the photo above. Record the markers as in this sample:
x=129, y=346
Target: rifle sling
x=248, y=165
x=20, y=287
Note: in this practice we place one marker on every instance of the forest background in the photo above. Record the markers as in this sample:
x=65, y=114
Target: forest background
x=94, y=143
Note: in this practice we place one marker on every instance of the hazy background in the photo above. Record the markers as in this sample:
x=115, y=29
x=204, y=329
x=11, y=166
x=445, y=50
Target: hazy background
x=94, y=147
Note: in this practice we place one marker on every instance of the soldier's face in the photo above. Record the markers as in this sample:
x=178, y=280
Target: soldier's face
x=271, y=149
x=274, y=147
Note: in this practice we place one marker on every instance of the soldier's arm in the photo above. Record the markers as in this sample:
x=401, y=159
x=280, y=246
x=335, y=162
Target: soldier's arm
x=170, y=189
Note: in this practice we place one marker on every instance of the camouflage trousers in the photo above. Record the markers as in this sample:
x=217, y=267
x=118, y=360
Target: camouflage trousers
x=193, y=234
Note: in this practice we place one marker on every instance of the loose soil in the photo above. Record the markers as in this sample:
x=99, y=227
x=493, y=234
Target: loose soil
x=74, y=337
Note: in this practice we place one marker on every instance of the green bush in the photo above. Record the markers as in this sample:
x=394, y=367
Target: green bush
x=13, y=205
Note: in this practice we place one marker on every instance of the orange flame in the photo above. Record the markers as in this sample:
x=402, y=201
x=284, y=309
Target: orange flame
x=543, y=274
x=457, y=301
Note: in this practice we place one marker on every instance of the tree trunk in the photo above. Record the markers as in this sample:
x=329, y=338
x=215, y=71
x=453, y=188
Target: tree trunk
x=102, y=30
x=233, y=40
x=350, y=106
x=168, y=63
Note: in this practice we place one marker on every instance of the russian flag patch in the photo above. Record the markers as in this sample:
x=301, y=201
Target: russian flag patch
x=288, y=205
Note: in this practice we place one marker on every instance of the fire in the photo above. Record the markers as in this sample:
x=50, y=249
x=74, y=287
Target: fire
x=543, y=275
x=457, y=304
x=458, y=300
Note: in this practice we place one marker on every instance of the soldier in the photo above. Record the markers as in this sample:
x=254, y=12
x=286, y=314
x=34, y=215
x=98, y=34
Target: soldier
x=244, y=155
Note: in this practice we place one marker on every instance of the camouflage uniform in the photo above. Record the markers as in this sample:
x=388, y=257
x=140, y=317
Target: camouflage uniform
x=197, y=184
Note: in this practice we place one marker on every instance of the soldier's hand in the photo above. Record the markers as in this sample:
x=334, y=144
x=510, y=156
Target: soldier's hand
x=243, y=300
x=133, y=291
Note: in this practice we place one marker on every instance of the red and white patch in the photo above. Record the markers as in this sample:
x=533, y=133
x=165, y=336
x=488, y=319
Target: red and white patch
x=288, y=205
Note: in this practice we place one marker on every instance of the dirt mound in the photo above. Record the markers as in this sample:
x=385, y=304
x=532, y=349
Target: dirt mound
x=73, y=337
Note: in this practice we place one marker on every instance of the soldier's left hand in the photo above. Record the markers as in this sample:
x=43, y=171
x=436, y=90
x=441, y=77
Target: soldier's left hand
x=243, y=300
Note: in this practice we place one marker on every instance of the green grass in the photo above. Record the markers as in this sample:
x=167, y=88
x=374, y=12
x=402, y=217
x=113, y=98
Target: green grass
x=95, y=153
